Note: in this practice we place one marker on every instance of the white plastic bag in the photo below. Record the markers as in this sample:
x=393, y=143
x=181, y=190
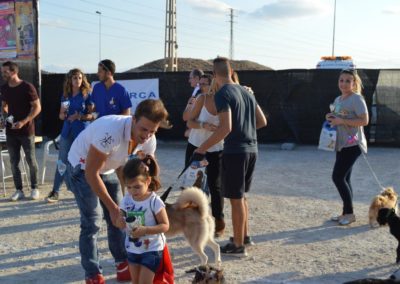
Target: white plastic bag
x=195, y=175
x=327, y=139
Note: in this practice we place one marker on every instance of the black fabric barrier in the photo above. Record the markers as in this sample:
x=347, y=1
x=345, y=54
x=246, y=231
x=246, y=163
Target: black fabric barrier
x=295, y=102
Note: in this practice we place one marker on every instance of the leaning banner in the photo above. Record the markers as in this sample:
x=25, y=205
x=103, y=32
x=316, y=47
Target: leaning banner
x=139, y=90
x=8, y=30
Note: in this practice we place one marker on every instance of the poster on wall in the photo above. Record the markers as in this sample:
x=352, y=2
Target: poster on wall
x=8, y=30
x=25, y=29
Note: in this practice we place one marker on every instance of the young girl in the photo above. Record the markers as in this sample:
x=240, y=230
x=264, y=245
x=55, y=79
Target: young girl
x=146, y=219
x=349, y=114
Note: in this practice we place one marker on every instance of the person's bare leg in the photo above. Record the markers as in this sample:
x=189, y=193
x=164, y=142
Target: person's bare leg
x=146, y=275
x=246, y=218
x=238, y=220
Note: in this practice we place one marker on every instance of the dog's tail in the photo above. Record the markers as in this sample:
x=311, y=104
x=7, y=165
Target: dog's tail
x=193, y=197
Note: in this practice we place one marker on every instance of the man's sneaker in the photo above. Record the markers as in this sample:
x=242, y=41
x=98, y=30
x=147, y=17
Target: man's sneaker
x=123, y=274
x=35, y=194
x=18, y=194
x=52, y=197
x=247, y=241
x=231, y=249
x=97, y=279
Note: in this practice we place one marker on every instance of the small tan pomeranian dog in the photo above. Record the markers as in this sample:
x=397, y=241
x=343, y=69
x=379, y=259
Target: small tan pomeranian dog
x=386, y=199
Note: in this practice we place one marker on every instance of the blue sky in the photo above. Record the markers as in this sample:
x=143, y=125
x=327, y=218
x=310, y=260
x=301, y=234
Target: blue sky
x=282, y=34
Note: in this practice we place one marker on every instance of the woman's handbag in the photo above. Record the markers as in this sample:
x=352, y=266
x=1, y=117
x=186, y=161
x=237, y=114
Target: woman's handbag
x=327, y=139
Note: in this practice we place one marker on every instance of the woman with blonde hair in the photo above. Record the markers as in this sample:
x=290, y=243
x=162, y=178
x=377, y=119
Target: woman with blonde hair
x=349, y=114
x=75, y=111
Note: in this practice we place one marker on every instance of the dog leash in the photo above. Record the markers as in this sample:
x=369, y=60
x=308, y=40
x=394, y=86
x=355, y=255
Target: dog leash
x=381, y=187
x=370, y=168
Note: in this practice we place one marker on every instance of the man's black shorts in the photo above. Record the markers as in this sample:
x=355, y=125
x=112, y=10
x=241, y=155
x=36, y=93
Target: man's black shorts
x=237, y=174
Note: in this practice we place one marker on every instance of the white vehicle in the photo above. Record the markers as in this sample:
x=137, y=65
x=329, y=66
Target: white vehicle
x=336, y=62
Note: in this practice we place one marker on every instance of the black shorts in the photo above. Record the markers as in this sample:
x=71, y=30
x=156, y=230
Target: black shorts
x=237, y=174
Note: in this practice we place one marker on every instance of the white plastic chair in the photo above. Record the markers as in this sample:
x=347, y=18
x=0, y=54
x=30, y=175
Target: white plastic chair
x=23, y=166
x=49, y=156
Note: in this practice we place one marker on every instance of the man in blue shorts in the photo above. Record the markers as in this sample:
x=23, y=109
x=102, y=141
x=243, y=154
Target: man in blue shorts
x=109, y=96
x=239, y=118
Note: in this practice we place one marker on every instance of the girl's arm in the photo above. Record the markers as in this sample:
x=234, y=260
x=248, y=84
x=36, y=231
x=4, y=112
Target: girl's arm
x=361, y=120
x=161, y=227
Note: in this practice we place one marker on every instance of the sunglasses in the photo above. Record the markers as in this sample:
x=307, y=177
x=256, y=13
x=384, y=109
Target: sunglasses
x=349, y=71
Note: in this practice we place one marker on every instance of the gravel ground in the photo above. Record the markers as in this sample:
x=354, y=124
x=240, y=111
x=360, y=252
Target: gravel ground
x=291, y=202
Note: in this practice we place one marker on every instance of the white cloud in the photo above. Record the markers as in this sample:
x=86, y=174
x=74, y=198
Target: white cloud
x=394, y=10
x=53, y=23
x=210, y=7
x=288, y=9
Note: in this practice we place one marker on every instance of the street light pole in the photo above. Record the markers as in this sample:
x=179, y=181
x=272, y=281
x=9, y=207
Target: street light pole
x=99, y=13
x=334, y=25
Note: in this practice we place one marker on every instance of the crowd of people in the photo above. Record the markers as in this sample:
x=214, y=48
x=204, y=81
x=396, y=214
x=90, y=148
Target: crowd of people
x=105, y=149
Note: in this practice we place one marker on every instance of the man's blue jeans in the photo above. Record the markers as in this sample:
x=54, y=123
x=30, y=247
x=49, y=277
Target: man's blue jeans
x=90, y=210
x=64, y=146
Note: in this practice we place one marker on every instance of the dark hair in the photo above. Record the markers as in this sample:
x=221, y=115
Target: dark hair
x=148, y=167
x=222, y=67
x=11, y=65
x=153, y=110
x=108, y=65
x=209, y=77
x=197, y=73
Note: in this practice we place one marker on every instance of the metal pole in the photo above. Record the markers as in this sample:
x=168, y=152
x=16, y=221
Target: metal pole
x=334, y=25
x=231, y=37
x=39, y=79
x=99, y=13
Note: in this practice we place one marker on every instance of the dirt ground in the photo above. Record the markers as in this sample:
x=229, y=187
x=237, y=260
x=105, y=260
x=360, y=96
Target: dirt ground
x=291, y=202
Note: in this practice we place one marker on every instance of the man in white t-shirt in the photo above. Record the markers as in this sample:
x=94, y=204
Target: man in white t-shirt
x=95, y=154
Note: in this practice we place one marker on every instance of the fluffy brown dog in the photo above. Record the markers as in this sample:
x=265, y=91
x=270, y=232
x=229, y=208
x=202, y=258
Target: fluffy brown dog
x=190, y=215
x=386, y=199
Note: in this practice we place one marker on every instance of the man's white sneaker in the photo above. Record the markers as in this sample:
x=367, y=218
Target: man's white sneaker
x=35, y=194
x=18, y=194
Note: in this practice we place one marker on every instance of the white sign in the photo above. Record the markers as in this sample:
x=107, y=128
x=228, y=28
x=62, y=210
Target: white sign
x=140, y=90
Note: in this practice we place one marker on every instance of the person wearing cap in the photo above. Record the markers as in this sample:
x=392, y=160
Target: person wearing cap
x=95, y=154
x=109, y=96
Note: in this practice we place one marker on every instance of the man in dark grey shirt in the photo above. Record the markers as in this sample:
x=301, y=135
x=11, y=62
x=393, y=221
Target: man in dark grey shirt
x=240, y=116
